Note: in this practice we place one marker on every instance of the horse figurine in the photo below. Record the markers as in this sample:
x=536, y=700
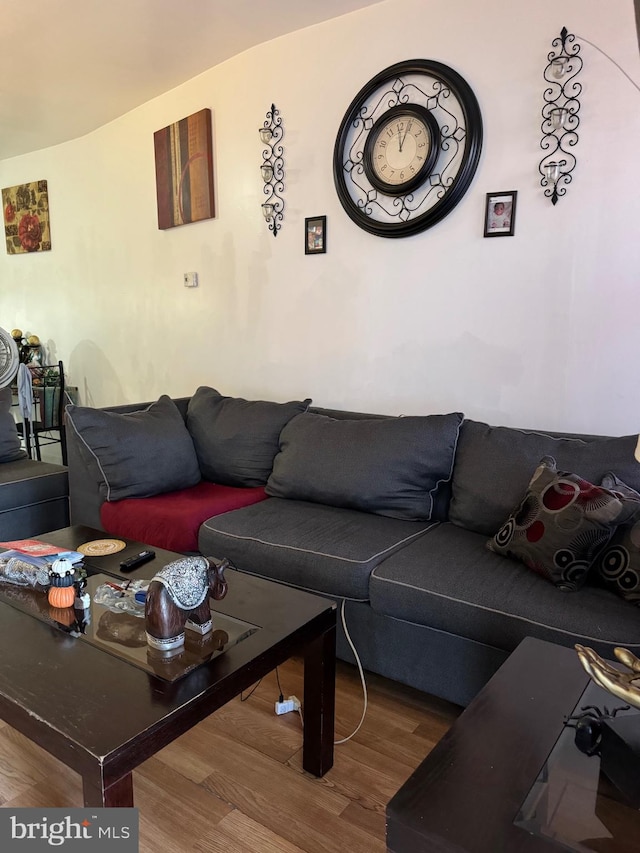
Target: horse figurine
x=178, y=599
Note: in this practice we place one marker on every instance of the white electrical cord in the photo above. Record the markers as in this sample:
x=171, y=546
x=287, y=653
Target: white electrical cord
x=364, y=683
x=611, y=59
x=293, y=703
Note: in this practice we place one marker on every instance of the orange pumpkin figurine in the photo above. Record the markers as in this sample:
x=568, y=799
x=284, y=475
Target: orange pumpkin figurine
x=62, y=592
x=61, y=596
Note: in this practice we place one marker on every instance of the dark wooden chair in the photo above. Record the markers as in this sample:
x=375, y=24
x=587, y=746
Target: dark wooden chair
x=46, y=425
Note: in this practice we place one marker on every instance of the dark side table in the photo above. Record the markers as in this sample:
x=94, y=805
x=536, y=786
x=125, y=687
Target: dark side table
x=496, y=782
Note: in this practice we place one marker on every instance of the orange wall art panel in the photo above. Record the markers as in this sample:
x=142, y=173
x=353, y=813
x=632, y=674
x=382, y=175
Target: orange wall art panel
x=184, y=171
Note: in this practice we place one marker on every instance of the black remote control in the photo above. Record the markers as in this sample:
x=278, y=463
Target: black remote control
x=139, y=559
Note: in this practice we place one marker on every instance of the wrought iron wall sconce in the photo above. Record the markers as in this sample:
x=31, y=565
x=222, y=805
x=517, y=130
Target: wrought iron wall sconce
x=560, y=118
x=272, y=170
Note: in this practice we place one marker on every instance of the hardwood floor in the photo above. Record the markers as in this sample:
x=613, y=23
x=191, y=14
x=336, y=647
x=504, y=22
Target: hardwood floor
x=235, y=784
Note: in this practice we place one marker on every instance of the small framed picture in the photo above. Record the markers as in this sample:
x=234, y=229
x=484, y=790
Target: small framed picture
x=500, y=214
x=315, y=235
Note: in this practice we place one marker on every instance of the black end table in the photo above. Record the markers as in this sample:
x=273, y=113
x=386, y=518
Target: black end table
x=467, y=796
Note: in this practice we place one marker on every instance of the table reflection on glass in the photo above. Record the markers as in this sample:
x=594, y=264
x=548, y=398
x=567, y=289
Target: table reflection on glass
x=573, y=803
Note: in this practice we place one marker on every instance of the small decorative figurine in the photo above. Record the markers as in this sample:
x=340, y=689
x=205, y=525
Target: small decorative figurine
x=62, y=592
x=175, y=663
x=618, y=740
x=178, y=599
x=623, y=685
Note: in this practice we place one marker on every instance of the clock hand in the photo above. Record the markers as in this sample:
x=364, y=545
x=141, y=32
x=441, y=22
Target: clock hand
x=405, y=135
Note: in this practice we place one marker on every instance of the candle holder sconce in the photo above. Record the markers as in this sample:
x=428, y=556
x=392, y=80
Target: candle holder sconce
x=272, y=170
x=560, y=118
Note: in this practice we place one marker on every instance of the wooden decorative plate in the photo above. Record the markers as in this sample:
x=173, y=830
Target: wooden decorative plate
x=101, y=547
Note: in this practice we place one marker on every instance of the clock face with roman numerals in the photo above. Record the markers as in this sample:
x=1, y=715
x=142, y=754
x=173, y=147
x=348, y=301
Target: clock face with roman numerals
x=407, y=148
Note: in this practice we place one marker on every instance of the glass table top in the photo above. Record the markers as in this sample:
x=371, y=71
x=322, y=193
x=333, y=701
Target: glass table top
x=572, y=803
x=122, y=633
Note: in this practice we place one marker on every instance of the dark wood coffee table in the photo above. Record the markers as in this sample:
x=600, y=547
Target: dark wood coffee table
x=103, y=717
x=467, y=793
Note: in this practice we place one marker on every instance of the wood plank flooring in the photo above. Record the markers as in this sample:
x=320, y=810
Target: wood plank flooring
x=235, y=784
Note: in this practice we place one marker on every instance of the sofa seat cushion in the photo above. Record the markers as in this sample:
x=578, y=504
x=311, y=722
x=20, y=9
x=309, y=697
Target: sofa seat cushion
x=448, y=580
x=389, y=466
x=307, y=545
x=172, y=520
x=493, y=466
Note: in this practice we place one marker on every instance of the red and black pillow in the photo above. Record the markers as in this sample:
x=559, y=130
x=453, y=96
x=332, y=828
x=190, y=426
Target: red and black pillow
x=562, y=525
x=617, y=566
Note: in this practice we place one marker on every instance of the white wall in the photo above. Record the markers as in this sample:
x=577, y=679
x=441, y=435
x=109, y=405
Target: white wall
x=537, y=330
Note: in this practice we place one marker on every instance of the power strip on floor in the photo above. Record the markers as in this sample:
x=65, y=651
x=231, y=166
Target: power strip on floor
x=290, y=704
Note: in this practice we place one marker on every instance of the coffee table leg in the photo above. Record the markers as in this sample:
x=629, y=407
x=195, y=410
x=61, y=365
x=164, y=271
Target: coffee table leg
x=117, y=795
x=319, y=703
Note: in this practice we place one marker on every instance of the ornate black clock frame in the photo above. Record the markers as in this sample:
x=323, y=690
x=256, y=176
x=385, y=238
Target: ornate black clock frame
x=444, y=102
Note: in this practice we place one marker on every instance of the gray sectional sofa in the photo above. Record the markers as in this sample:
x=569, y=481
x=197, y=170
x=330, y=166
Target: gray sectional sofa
x=393, y=515
x=34, y=496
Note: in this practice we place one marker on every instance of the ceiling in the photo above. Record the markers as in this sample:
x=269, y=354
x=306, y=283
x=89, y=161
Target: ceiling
x=70, y=66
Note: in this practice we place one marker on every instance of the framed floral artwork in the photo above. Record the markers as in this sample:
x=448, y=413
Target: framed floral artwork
x=25, y=209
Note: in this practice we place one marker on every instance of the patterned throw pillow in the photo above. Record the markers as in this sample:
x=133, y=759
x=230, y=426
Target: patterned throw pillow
x=618, y=564
x=613, y=484
x=561, y=525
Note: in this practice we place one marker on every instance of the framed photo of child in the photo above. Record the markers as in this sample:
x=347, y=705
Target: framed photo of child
x=500, y=214
x=315, y=235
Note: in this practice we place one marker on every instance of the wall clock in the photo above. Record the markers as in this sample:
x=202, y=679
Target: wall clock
x=407, y=148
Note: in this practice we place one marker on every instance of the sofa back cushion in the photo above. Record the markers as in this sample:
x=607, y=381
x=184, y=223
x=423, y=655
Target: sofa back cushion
x=493, y=467
x=10, y=449
x=390, y=466
x=236, y=439
x=140, y=453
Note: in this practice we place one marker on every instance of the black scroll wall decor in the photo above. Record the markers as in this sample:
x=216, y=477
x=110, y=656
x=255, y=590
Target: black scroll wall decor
x=272, y=169
x=560, y=118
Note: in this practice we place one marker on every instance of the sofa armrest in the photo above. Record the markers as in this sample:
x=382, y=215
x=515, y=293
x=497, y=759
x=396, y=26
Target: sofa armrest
x=34, y=498
x=85, y=499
